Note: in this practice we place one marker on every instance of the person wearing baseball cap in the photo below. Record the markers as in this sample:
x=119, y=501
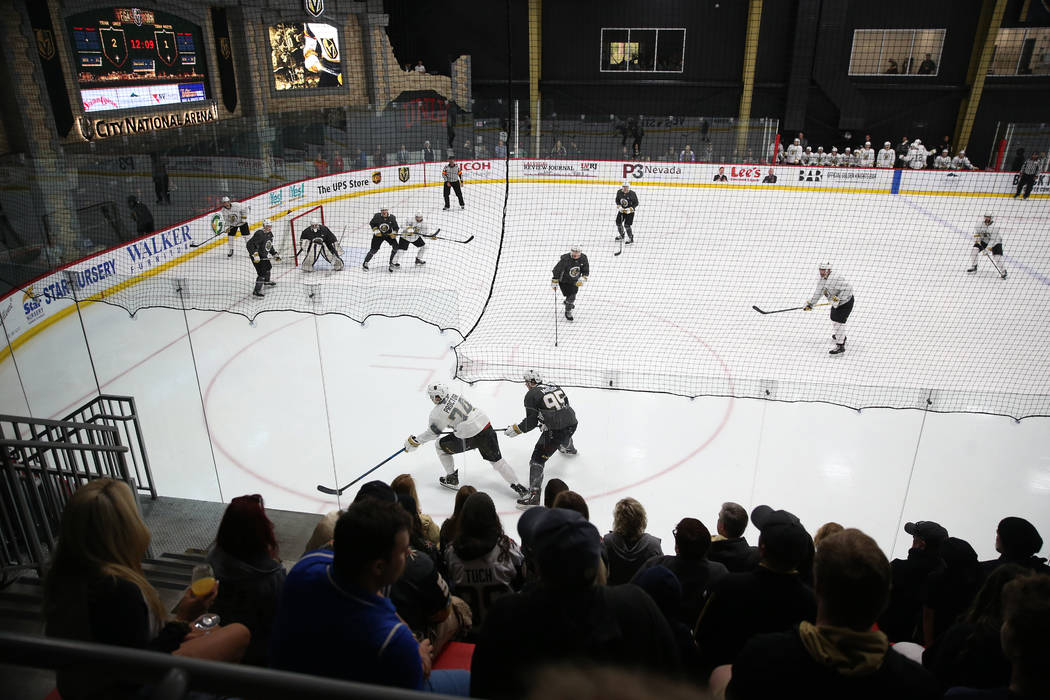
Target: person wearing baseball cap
x=566, y=616
x=902, y=619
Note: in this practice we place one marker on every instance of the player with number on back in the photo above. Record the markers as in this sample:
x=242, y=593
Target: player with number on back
x=413, y=233
x=471, y=430
x=546, y=406
x=318, y=241
x=384, y=230
x=839, y=292
x=260, y=248
x=570, y=273
x=986, y=237
x=234, y=220
x=626, y=203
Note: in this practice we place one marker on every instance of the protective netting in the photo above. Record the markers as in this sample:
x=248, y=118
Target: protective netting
x=729, y=217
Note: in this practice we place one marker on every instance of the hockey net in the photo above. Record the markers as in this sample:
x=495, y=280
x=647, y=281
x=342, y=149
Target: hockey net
x=295, y=224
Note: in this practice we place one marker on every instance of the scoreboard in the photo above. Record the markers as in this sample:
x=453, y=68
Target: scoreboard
x=130, y=57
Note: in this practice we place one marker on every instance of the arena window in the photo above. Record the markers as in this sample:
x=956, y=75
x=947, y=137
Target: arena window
x=643, y=50
x=1021, y=52
x=913, y=52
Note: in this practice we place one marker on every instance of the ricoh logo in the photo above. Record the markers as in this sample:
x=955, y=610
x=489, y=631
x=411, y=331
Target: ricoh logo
x=640, y=170
x=476, y=165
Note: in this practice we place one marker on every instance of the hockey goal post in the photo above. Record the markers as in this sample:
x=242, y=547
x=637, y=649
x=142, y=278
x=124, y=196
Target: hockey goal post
x=294, y=226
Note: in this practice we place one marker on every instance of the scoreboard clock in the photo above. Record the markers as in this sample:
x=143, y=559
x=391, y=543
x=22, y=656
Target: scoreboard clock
x=131, y=57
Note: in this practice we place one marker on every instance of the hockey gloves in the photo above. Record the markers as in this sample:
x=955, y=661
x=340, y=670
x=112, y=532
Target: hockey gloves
x=807, y=307
x=554, y=284
x=255, y=257
x=411, y=443
x=512, y=431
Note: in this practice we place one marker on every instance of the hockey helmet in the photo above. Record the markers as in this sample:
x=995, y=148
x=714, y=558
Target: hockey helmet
x=962, y=151
x=315, y=221
x=820, y=149
x=825, y=268
x=267, y=223
x=988, y=216
x=834, y=149
x=533, y=377
x=225, y=200
x=437, y=392
x=867, y=144
x=576, y=249
x=419, y=216
x=383, y=209
x=886, y=145
x=917, y=142
x=626, y=184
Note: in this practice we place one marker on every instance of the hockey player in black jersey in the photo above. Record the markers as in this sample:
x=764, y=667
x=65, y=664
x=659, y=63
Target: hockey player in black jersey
x=384, y=230
x=318, y=241
x=546, y=406
x=626, y=202
x=260, y=249
x=569, y=274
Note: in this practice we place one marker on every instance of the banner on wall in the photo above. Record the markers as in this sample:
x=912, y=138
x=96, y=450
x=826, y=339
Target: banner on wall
x=47, y=52
x=224, y=58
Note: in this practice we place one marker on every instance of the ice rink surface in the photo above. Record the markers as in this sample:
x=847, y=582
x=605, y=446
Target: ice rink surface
x=298, y=400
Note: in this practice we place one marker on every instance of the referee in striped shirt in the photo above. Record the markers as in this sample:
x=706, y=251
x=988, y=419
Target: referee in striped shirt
x=1026, y=178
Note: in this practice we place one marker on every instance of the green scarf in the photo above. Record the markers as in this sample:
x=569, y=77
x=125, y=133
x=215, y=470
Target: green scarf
x=846, y=651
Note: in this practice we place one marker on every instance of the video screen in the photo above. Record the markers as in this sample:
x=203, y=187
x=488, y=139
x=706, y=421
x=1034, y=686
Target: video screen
x=128, y=57
x=305, y=56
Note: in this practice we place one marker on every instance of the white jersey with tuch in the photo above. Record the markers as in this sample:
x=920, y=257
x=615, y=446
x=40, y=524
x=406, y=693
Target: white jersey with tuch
x=835, y=288
x=457, y=414
x=989, y=235
x=414, y=229
x=236, y=215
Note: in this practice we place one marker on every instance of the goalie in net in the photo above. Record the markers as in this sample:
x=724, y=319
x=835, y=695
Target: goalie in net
x=316, y=242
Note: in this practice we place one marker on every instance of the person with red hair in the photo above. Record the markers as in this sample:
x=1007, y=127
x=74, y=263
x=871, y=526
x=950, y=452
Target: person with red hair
x=246, y=563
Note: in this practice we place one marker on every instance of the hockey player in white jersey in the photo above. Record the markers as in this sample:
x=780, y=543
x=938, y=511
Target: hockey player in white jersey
x=823, y=159
x=887, y=156
x=838, y=291
x=412, y=233
x=986, y=237
x=961, y=162
x=848, y=159
x=943, y=161
x=809, y=157
x=318, y=241
x=471, y=430
x=793, y=153
x=866, y=156
x=234, y=217
x=918, y=155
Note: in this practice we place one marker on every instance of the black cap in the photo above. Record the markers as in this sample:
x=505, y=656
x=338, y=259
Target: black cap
x=927, y=530
x=1018, y=537
x=563, y=543
x=783, y=537
x=378, y=490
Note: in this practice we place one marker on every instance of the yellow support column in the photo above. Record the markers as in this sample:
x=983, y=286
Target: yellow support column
x=980, y=60
x=535, y=62
x=754, y=24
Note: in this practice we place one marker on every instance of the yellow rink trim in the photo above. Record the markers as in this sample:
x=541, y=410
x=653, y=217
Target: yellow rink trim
x=35, y=330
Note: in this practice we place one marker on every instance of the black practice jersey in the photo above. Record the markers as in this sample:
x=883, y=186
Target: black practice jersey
x=570, y=269
x=630, y=197
x=384, y=225
x=547, y=405
x=322, y=232
x=261, y=242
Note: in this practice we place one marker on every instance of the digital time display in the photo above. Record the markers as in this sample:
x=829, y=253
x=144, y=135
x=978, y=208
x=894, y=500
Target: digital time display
x=130, y=57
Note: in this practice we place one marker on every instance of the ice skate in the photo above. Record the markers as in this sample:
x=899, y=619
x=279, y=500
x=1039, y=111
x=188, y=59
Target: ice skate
x=568, y=314
x=445, y=208
x=420, y=262
x=529, y=500
x=257, y=293
x=394, y=266
x=365, y=264
x=972, y=269
x=268, y=283
x=838, y=349
x=520, y=489
x=569, y=449
x=462, y=206
x=451, y=481
x=230, y=254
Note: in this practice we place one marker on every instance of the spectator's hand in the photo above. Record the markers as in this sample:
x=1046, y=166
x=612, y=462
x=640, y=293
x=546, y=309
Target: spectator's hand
x=426, y=654
x=192, y=606
x=807, y=307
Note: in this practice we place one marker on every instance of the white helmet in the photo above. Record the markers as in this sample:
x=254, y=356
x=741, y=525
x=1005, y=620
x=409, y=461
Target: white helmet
x=989, y=216
x=809, y=149
x=625, y=184
x=267, y=223
x=917, y=142
x=315, y=221
x=437, y=391
x=797, y=142
x=826, y=265
x=962, y=151
x=419, y=216
x=820, y=149
x=886, y=145
x=867, y=144
x=576, y=249
x=533, y=377
x=834, y=149
x=225, y=200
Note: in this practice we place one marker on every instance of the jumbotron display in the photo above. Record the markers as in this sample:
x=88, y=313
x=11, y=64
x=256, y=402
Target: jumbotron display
x=128, y=58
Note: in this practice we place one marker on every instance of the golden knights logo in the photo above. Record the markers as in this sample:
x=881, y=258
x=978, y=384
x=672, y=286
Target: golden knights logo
x=224, y=47
x=314, y=8
x=45, y=43
x=86, y=126
x=403, y=174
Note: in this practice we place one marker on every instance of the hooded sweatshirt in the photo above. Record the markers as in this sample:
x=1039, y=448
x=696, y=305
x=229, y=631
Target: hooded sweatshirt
x=626, y=557
x=248, y=593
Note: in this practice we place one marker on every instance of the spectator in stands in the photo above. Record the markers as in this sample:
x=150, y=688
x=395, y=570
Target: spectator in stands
x=1017, y=542
x=420, y=68
x=405, y=485
x=450, y=528
x=840, y=656
x=690, y=564
x=825, y=531
x=902, y=152
x=802, y=139
x=337, y=163
x=480, y=149
x=361, y=160
x=483, y=562
x=729, y=547
x=705, y=131
x=968, y=653
x=574, y=149
x=428, y=152
x=687, y=155
x=417, y=539
x=720, y=176
x=572, y=501
x=945, y=144
x=500, y=151
x=140, y=215
x=961, y=162
x=901, y=621
x=665, y=588
x=378, y=157
x=551, y=491
x=333, y=620
x=891, y=67
x=468, y=150
x=320, y=164
x=558, y=151
x=402, y=155
x=927, y=67
x=628, y=546
x=159, y=166
x=566, y=618
x=670, y=155
x=248, y=567
x=96, y=591
x=949, y=591
x=772, y=598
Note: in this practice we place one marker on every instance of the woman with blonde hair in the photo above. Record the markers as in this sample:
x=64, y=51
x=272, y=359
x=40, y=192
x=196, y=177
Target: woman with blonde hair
x=405, y=485
x=628, y=546
x=96, y=591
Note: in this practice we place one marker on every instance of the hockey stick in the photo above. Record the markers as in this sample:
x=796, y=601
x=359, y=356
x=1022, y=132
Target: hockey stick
x=793, y=308
x=339, y=492
x=452, y=240
x=620, y=251
x=198, y=245
x=555, y=317
x=992, y=261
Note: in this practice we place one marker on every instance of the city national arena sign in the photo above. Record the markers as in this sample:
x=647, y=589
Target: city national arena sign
x=96, y=129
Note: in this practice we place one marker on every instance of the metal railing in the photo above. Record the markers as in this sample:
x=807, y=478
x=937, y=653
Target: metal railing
x=171, y=677
x=120, y=412
x=42, y=462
